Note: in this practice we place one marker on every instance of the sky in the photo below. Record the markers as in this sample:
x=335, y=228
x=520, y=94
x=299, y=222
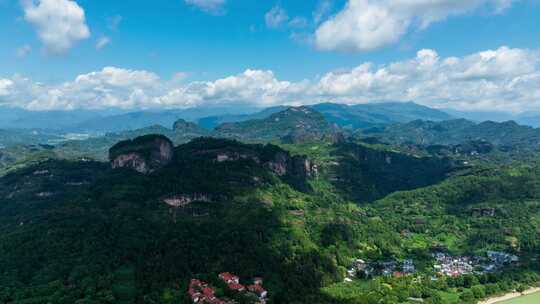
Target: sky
x=476, y=55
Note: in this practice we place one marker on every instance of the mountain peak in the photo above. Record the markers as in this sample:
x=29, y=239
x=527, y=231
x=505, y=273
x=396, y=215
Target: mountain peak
x=295, y=124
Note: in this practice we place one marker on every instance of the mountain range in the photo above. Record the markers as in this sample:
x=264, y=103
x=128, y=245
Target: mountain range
x=99, y=122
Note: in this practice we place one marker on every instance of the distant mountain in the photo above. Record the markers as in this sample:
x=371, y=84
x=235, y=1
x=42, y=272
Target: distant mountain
x=480, y=116
x=186, y=128
x=292, y=125
x=142, y=119
x=126, y=121
x=12, y=137
x=17, y=118
x=458, y=131
x=110, y=120
x=528, y=119
x=372, y=114
x=352, y=117
x=212, y=122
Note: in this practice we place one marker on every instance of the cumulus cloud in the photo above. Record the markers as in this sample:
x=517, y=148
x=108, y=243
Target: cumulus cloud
x=276, y=17
x=110, y=87
x=365, y=25
x=210, y=6
x=5, y=84
x=102, y=42
x=505, y=79
x=485, y=80
x=59, y=23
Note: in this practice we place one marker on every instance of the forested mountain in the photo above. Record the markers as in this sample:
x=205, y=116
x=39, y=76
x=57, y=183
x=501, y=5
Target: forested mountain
x=211, y=122
x=118, y=236
x=162, y=206
x=292, y=125
x=353, y=117
x=377, y=114
x=458, y=131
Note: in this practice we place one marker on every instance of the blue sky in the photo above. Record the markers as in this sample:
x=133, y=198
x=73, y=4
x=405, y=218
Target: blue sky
x=208, y=40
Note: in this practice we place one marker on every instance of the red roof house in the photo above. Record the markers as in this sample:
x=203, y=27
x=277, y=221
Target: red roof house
x=237, y=287
x=258, y=290
x=228, y=278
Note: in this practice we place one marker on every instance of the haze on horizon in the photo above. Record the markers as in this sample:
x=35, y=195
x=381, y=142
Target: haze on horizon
x=474, y=55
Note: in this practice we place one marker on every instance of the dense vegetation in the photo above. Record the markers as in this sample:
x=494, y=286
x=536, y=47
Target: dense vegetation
x=292, y=125
x=297, y=214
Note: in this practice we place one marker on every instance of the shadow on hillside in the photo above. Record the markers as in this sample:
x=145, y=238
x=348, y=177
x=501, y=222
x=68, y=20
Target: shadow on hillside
x=365, y=174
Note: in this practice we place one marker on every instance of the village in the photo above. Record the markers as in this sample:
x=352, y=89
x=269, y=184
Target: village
x=445, y=265
x=362, y=269
x=201, y=292
x=453, y=266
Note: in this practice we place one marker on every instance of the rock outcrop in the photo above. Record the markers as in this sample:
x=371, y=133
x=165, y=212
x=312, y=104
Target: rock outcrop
x=299, y=166
x=182, y=200
x=188, y=128
x=143, y=154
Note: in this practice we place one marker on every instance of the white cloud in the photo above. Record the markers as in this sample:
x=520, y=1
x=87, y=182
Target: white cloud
x=252, y=86
x=365, y=25
x=503, y=79
x=59, y=23
x=110, y=87
x=209, y=6
x=276, y=17
x=499, y=79
x=102, y=42
x=22, y=51
x=5, y=85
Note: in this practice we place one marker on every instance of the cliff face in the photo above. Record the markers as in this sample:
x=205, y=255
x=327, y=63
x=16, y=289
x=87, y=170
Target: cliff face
x=144, y=154
x=299, y=166
x=223, y=153
x=281, y=163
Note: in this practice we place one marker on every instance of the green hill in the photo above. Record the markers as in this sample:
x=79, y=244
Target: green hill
x=458, y=131
x=296, y=124
x=82, y=232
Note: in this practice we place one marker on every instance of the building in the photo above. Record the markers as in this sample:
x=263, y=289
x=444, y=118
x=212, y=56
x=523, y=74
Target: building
x=408, y=266
x=229, y=278
x=200, y=293
x=258, y=290
x=236, y=287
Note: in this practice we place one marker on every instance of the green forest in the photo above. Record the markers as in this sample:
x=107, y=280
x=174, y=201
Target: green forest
x=298, y=214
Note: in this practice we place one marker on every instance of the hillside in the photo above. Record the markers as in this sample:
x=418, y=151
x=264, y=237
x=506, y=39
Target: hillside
x=120, y=226
x=117, y=236
x=376, y=114
x=295, y=124
x=211, y=122
x=449, y=132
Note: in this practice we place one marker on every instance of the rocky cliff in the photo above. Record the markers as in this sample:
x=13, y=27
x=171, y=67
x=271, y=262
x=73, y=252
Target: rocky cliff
x=143, y=154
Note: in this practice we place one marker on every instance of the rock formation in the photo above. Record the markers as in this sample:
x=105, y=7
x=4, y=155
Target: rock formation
x=143, y=154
